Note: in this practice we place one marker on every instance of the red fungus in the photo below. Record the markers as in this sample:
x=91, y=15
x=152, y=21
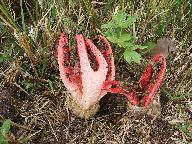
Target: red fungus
x=153, y=88
x=145, y=77
x=143, y=84
x=85, y=84
x=131, y=96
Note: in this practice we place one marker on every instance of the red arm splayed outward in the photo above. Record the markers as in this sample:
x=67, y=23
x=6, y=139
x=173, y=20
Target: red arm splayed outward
x=144, y=84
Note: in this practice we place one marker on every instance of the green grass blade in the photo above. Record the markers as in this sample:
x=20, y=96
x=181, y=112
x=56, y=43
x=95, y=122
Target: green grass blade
x=8, y=16
x=22, y=16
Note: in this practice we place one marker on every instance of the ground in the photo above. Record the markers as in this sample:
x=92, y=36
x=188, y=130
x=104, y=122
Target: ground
x=37, y=106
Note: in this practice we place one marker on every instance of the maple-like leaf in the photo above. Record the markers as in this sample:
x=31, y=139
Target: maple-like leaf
x=120, y=20
x=130, y=56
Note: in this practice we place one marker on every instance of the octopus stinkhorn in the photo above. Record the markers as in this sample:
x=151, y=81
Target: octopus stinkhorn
x=87, y=85
x=84, y=83
x=150, y=90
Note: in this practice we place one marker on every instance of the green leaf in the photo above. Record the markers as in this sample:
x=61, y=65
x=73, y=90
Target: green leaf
x=126, y=45
x=2, y=139
x=5, y=127
x=112, y=39
x=138, y=47
x=108, y=33
x=120, y=20
x=107, y=25
x=4, y=130
x=51, y=85
x=130, y=56
x=136, y=57
x=123, y=40
x=116, y=33
x=130, y=20
x=127, y=56
x=125, y=37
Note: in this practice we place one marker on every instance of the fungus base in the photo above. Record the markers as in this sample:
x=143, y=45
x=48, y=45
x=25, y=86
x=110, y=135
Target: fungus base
x=79, y=111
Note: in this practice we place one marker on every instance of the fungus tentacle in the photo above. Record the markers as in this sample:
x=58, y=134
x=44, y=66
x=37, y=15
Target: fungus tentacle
x=153, y=88
x=91, y=80
x=102, y=64
x=145, y=77
x=131, y=96
x=64, y=65
x=143, y=84
x=106, y=51
x=108, y=55
x=85, y=66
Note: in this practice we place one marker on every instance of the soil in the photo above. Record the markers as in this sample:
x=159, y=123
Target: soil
x=48, y=115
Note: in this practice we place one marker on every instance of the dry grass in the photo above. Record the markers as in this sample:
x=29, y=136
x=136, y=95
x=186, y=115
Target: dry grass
x=39, y=102
x=55, y=124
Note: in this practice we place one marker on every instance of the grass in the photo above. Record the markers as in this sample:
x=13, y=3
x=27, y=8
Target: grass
x=28, y=39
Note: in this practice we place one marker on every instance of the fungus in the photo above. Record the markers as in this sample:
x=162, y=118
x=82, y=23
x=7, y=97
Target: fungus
x=144, y=85
x=154, y=87
x=82, y=81
x=87, y=83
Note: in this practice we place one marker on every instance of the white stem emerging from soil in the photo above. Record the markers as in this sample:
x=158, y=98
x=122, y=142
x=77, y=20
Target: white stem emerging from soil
x=79, y=111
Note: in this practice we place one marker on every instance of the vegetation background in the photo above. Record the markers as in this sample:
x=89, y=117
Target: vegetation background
x=33, y=97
